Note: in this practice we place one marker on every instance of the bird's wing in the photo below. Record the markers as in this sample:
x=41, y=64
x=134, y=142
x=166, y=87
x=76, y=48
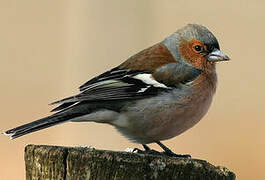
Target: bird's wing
x=123, y=84
x=116, y=84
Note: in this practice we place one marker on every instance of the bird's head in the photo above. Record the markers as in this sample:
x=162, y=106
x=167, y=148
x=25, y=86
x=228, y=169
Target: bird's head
x=196, y=45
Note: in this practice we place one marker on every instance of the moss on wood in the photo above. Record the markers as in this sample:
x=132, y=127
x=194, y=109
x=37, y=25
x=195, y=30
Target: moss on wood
x=78, y=163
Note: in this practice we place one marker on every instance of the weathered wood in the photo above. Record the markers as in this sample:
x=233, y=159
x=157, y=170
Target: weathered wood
x=53, y=162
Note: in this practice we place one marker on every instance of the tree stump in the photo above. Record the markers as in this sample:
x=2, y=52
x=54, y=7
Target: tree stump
x=78, y=163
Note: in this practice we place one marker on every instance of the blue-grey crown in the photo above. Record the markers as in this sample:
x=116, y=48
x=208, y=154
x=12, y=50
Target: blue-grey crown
x=187, y=33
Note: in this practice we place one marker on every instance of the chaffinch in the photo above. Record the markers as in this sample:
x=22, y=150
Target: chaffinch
x=155, y=95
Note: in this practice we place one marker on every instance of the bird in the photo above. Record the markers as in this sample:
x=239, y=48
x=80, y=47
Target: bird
x=154, y=95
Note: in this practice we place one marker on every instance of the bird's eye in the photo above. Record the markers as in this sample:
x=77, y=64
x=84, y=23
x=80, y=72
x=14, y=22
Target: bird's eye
x=198, y=48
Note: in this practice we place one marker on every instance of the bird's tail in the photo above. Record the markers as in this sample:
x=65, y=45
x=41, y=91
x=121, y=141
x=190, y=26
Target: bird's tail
x=36, y=125
x=62, y=116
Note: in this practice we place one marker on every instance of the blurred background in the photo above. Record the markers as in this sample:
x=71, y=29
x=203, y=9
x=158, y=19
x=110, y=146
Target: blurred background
x=48, y=48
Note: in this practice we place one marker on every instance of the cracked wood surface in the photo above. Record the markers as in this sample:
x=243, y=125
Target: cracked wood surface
x=78, y=163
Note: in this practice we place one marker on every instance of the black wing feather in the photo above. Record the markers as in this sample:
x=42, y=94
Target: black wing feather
x=121, y=84
x=114, y=73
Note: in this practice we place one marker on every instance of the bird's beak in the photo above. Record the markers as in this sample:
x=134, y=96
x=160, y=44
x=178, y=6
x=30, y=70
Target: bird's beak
x=217, y=55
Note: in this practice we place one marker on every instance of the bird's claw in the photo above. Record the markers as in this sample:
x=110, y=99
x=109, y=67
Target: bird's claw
x=165, y=153
x=171, y=154
x=149, y=151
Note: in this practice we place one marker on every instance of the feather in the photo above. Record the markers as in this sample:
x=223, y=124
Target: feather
x=124, y=84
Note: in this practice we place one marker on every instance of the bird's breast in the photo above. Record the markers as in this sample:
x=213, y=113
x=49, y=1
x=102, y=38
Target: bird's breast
x=167, y=115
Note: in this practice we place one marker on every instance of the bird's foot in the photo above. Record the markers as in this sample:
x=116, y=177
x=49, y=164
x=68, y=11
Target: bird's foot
x=167, y=152
x=171, y=154
x=149, y=151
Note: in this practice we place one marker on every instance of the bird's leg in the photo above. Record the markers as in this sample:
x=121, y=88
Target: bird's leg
x=147, y=150
x=168, y=152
